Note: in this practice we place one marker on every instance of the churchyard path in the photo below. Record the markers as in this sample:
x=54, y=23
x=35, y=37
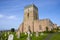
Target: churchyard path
x=49, y=36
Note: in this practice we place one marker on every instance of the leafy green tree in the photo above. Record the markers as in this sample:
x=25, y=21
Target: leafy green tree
x=12, y=30
x=57, y=28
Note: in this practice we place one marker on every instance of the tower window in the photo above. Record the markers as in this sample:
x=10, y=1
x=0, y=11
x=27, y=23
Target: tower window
x=29, y=28
x=28, y=15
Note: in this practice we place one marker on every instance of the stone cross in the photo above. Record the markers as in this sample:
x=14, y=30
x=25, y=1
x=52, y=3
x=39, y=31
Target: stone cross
x=10, y=37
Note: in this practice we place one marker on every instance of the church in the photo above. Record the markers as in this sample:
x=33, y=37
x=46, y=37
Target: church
x=31, y=21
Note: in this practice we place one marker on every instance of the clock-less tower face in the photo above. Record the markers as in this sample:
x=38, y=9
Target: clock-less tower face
x=30, y=13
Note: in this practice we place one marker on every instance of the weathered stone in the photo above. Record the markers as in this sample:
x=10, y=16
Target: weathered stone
x=31, y=19
x=37, y=34
x=18, y=36
x=10, y=37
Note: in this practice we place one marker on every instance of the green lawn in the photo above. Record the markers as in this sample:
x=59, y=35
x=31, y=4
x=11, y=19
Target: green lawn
x=24, y=37
x=40, y=37
x=55, y=36
x=33, y=37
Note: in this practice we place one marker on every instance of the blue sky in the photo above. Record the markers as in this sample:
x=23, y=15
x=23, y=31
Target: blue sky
x=12, y=11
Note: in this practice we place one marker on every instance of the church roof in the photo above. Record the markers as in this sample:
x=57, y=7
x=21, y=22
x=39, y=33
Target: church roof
x=47, y=19
x=44, y=19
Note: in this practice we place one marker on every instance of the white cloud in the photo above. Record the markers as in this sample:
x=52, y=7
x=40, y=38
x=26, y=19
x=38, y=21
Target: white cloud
x=1, y=16
x=12, y=17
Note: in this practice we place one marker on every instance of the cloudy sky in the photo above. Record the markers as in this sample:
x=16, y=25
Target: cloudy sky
x=12, y=11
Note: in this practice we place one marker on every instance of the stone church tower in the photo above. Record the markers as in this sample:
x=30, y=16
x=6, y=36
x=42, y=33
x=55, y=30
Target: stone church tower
x=31, y=21
x=30, y=14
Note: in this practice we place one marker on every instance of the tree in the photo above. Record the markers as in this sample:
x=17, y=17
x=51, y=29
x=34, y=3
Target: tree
x=12, y=30
x=57, y=28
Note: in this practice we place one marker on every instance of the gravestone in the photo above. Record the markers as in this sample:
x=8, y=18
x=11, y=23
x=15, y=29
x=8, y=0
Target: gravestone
x=37, y=34
x=10, y=37
x=5, y=34
x=8, y=33
x=18, y=36
x=28, y=38
x=25, y=33
x=41, y=34
x=31, y=34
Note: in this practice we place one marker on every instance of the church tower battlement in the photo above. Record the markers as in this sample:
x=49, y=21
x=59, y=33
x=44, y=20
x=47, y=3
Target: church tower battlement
x=30, y=13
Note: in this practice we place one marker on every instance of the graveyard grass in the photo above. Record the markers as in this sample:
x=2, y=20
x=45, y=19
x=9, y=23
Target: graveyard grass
x=55, y=37
x=24, y=37
x=33, y=37
x=40, y=37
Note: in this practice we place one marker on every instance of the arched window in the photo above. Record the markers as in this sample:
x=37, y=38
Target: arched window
x=28, y=28
x=28, y=15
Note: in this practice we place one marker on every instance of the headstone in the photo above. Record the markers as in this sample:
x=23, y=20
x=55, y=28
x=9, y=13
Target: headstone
x=31, y=34
x=18, y=36
x=28, y=38
x=10, y=37
x=5, y=34
x=8, y=33
x=41, y=34
x=37, y=34
x=25, y=33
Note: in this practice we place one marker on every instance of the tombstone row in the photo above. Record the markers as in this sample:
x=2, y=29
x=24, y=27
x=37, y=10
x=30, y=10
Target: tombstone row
x=11, y=36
